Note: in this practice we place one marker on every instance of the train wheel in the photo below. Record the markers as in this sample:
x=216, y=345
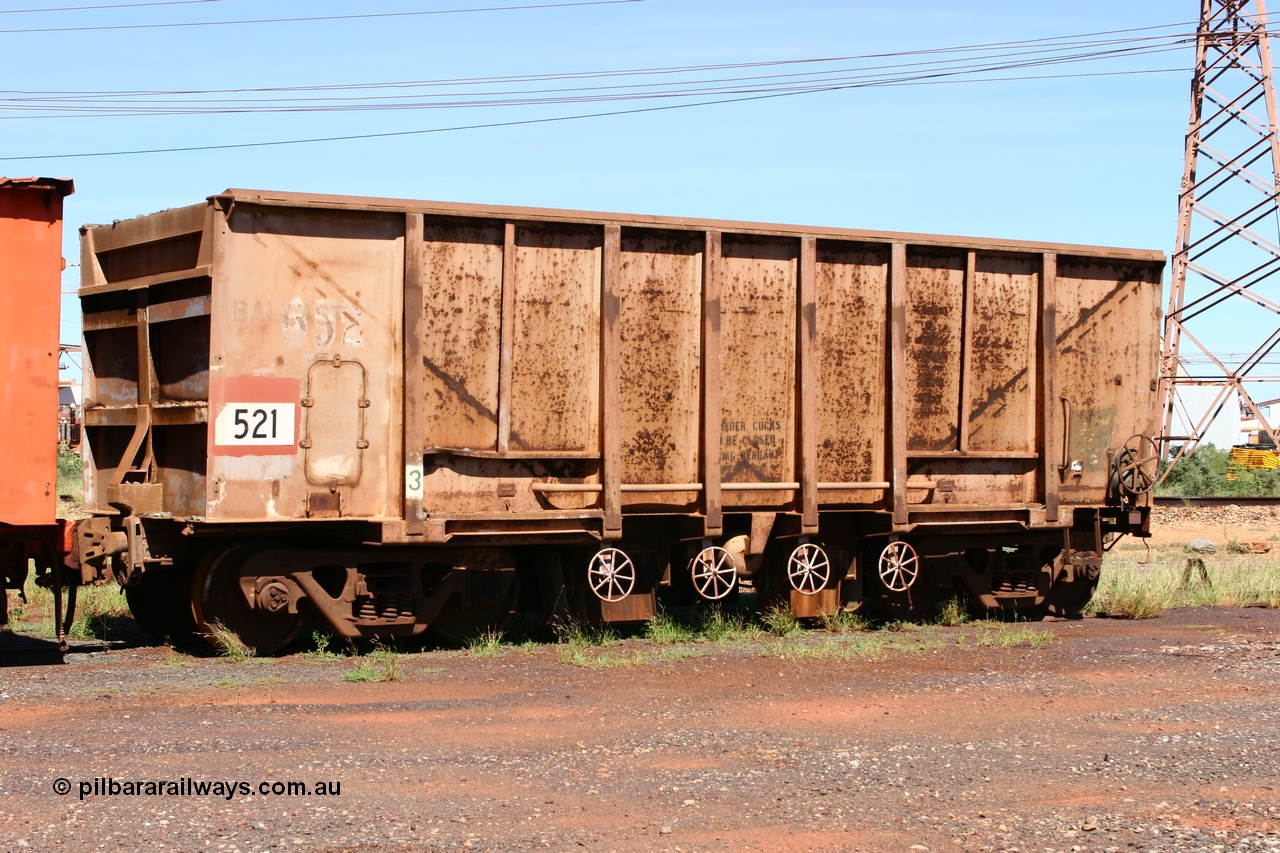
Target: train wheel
x=493, y=591
x=160, y=604
x=218, y=604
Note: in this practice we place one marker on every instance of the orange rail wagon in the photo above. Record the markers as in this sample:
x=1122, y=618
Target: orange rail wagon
x=30, y=281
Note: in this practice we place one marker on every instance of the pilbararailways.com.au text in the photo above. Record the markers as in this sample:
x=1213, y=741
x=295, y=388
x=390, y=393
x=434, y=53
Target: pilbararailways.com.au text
x=106, y=786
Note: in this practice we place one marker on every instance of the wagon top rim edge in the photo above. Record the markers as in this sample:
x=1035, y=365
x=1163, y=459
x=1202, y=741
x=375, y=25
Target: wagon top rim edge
x=272, y=198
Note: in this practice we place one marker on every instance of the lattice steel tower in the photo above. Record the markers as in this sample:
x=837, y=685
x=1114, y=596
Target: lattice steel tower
x=1224, y=298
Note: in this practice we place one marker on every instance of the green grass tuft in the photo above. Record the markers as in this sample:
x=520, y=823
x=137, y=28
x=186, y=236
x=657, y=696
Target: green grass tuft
x=575, y=632
x=487, y=644
x=780, y=621
x=715, y=626
x=380, y=664
x=1141, y=590
x=953, y=613
x=322, y=643
x=665, y=630
x=1008, y=635
x=585, y=656
x=845, y=623
x=1134, y=603
x=228, y=644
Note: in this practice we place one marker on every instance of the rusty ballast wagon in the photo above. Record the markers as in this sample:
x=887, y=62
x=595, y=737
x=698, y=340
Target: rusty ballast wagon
x=399, y=415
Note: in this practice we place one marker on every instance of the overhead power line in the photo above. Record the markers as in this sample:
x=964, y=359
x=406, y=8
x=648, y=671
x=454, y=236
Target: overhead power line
x=682, y=87
x=612, y=86
x=623, y=72
x=314, y=18
x=97, y=7
x=533, y=121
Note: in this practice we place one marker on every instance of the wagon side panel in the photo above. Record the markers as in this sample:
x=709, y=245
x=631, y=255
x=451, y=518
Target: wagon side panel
x=306, y=349
x=555, y=360
x=659, y=387
x=1000, y=364
x=1108, y=350
x=970, y=387
x=934, y=344
x=852, y=312
x=758, y=295
x=461, y=334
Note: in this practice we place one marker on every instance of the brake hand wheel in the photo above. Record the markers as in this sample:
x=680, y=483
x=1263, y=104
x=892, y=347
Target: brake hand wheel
x=1137, y=465
x=808, y=569
x=611, y=574
x=899, y=566
x=714, y=573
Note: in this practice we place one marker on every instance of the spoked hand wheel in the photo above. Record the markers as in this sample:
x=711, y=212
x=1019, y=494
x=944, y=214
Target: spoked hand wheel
x=1137, y=465
x=808, y=569
x=714, y=573
x=899, y=566
x=611, y=574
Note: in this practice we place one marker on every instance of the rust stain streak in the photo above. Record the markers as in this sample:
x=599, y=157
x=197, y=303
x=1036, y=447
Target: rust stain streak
x=320, y=272
x=1088, y=312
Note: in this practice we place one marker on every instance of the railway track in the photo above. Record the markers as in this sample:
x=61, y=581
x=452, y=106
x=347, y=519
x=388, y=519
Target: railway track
x=1209, y=502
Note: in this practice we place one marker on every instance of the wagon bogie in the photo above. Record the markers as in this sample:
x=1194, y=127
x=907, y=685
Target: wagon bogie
x=588, y=413
x=229, y=597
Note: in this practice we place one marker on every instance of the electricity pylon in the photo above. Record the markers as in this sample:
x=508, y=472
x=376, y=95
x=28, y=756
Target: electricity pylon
x=1224, y=298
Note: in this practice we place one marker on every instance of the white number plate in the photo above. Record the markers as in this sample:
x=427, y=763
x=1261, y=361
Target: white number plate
x=413, y=475
x=255, y=425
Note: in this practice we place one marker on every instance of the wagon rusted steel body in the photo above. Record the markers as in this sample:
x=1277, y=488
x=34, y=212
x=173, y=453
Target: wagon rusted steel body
x=399, y=415
x=30, y=282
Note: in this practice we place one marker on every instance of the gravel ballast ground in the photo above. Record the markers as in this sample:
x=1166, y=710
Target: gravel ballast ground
x=1158, y=735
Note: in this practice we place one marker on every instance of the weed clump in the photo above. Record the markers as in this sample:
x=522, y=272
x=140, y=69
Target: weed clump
x=321, y=647
x=228, y=644
x=781, y=622
x=1008, y=635
x=666, y=630
x=844, y=622
x=953, y=614
x=380, y=664
x=486, y=644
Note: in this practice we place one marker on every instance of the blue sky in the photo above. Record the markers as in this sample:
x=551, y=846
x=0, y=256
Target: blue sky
x=1087, y=159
